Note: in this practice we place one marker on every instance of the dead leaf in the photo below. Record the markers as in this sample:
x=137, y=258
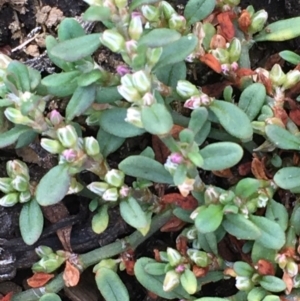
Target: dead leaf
x=272, y=60
x=295, y=116
x=173, y=225
x=209, y=60
x=7, y=297
x=182, y=244
x=244, y=20
x=224, y=173
x=188, y=202
x=128, y=261
x=288, y=280
x=71, y=275
x=217, y=41
x=199, y=272
x=244, y=169
x=226, y=25
x=280, y=113
x=265, y=267
x=258, y=169
x=39, y=279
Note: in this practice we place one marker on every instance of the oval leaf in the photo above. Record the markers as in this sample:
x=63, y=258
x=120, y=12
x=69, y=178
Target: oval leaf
x=233, y=119
x=50, y=297
x=145, y=168
x=110, y=285
x=100, y=220
x=288, y=177
x=209, y=219
x=31, y=222
x=12, y=135
x=196, y=10
x=159, y=37
x=290, y=56
x=221, y=155
x=277, y=212
x=53, y=186
x=272, y=284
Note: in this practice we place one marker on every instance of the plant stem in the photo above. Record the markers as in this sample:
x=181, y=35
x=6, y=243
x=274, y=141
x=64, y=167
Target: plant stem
x=93, y=257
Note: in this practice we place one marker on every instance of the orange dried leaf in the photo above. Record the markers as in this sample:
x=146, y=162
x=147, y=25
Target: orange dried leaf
x=265, y=267
x=71, y=275
x=295, y=116
x=173, y=225
x=39, y=279
x=244, y=72
x=258, y=169
x=226, y=26
x=244, y=20
x=199, y=272
x=188, y=202
x=7, y=297
x=288, y=280
x=128, y=261
x=217, y=41
x=209, y=60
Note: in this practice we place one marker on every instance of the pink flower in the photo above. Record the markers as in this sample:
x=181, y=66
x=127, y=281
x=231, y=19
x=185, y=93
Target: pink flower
x=70, y=155
x=180, y=268
x=122, y=70
x=55, y=117
x=176, y=158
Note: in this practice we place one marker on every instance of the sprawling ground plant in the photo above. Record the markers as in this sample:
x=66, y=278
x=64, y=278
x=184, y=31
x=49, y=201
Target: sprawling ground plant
x=191, y=132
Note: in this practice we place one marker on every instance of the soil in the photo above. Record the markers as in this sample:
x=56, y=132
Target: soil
x=19, y=21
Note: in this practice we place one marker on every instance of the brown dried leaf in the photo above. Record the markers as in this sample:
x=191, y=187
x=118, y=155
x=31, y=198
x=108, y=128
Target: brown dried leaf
x=182, y=244
x=225, y=173
x=39, y=279
x=288, y=280
x=244, y=169
x=226, y=25
x=7, y=297
x=188, y=202
x=265, y=267
x=209, y=60
x=71, y=275
x=173, y=225
x=280, y=113
x=199, y=272
x=272, y=60
x=295, y=116
x=217, y=41
x=258, y=169
x=244, y=20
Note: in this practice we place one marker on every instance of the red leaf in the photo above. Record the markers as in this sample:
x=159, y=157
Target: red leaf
x=7, y=297
x=211, y=62
x=39, y=279
x=226, y=26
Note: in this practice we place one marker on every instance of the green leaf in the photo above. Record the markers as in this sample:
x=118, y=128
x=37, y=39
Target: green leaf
x=260, y=252
x=136, y=3
x=233, y=119
x=156, y=119
x=12, y=135
x=107, y=94
x=108, y=143
x=100, y=219
x=86, y=79
x=209, y=219
x=72, y=50
x=25, y=139
x=155, y=283
x=290, y=57
x=247, y=187
x=272, y=236
x=295, y=218
x=80, y=101
x=61, y=81
x=288, y=177
x=171, y=74
x=159, y=37
x=97, y=13
x=21, y=74
x=281, y=137
x=252, y=100
x=53, y=186
x=240, y=227
x=155, y=268
x=201, y=136
x=198, y=119
x=212, y=299
x=277, y=212
x=110, y=285
x=197, y=10
x=145, y=168
x=177, y=51
x=133, y=214
x=243, y=269
x=31, y=222
x=208, y=242
x=221, y=155
x=282, y=30
x=50, y=297
x=68, y=29
x=113, y=121
x=272, y=284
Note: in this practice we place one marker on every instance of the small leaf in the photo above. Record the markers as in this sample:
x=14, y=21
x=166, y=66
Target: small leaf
x=209, y=219
x=145, y=168
x=107, y=94
x=100, y=220
x=295, y=218
x=68, y=29
x=281, y=137
x=71, y=275
x=113, y=122
x=108, y=142
x=155, y=283
x=156, y=119
x=72, y=50
x=21, y=75
x=282, y=30
x=197, y=10
x=240, y=227
x=133, y=214
x=155, y=268
x=221, y=155
x=252, y=99
x=12, y=135
x=198, y=119
x=50, y=297
x=233, y=119
x=25, y=139
x=31, y=222
x=177, y=51
x=80, y=101
x=159, y=37
x=39, y=279
x=277, y=212
x=259, y=252
x=110, y=285
x=290, y=56
x=272, y=284
x=272, y=236
x=97, y=13
x=53, y=186
x=288, y=177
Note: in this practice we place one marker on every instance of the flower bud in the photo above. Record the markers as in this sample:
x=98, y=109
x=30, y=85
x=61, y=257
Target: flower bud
x=167, y=9
x=111, y=195
x=234, y=66
x=43, y=251
x=258, y=21
x=235, y=49
x=48, y=264
x=91, y=146
x=131, y=47
x=292, y=78
x=176, y=158
x=69, y=155
x=199, y=257
x=177, y=22
x=67, y=136
x=171, y=281
x=129, y=93
x=20, y=183
x=153, y=56
x=9, y=199
x=134, y=117
x=135, y=28
x=55, y=117
x=150, y=12
x=148, y=99
x=113, y=40
x=25, y=196
x=174, y=257
x=52, y=146
x=122, y=70
x=75, y=186
x=243, y=283
x=211, y=195
x=186, y=187
x=15, y=116
x=5, y=185
x=226, y=197
x=115, y=177
x=292, y=268
x=141, y=81
x=277, y=76
x=193, y=103
x=15, y=168
x=98, y=187
x=124, y=191
x=222, y=55
x=185, y=89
